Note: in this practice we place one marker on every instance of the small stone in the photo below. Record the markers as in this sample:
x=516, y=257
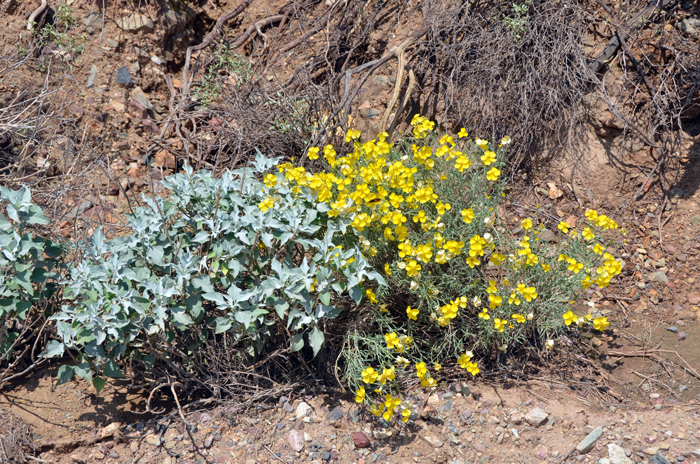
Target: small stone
x=467, y=413
x=659, y=276
x=302, y=411
x=157, y=60
x=149, y=125
x=651, y=451
x=134, y=446
x=91, y=77
x=682, y=336
x=296, y=440
x=434, y=441
x=516, y=418
x=587, y=443
x=78, y=458
x=209, y=441
x=479, y=447
x=694, y=298
x=658, y=459
x=672, y=329
x=360, y=440
x=135, y=23
x=536, y=417
x=617, y=455
x=542, y=453
x=123, y=77
x=154, y=440
x=93, y=20
x=373, y=113
x=335, y=415
x=98, y=455
x=110, y=430
x=547, y=236
x=141, y=98
x=382, y=434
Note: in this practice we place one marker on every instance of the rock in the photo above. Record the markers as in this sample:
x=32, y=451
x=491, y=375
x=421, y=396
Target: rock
x=134, y=446
x=154, y=440
x=694, y=298
x=134, y=67
x=77, y=109
x=682, y=336
x=303, y=409
x=135, y=22
x=651, y=451
x=542, y=453
x=479, y=447
x=548, y=236
x=690, y=26
x=110, y=429
x=458, y=461
x=123, y=77
x=99, y=455
x=139, y=110
x=658, y=459
x=434, y=441
x=587, y=443
x=149, y=125
x=467, y=413
x=697, y=452
x=360, y=440
x=672, y=329
x=335, y=415
x=659, y=276
x=208, y=441
x=78, y=458
x=536, y=417
x=382, y=434
x=373, y=113
x=516, y=418
x=296, y=440
x=91, y=77
x=141, y=98
x=93, y=20
x=617, y=455
x=604, y=461
x=157, y=60
x=695, y=220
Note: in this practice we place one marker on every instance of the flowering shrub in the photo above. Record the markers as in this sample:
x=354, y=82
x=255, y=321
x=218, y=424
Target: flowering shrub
x=460, y=285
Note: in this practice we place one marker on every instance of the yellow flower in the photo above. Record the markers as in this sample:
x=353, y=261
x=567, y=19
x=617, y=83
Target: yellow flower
x=598, y=248
x=600, y=323
x=592, y=214
x=473, y=368
x=549, y=344
x=371, y=296
x=360, y=395
x=569, y=318
x=270, y=180
x=387, y=269
x=388, y=374
x=588, y=234
x=412, y=268
x=421, y=370
x=484, y=314
x=412, y=313
x=382, y=308
x=563, y=226
x=437, y=367
x=462, y=133
x=392, y=340
x=519, y=317
x=505, y=140
x=462, y=163
x=463, y=361
x=623, y=231
x=352, y=135
x=574, y=266
x=467, y=215
x=369, y=375
x=499, y=324
x=546, y=267
x=405, y=415
x=529, y=293
x=313, y=153
x=488, y=157
x=266, y=204
x=527, y=224
x=493, y=174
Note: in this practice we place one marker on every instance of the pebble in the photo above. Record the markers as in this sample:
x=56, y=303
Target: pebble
x=658, y=459
x=542, y=453
x=295, y=440
x=659, y=276
x=140, y=97
x=302, y=410
x=135, y=23
x=587, y=443
x=335, y=415
x=123, y=77
x=536, y=417
x=433, y=440
x=681, y=336
x=382, y=434
x=672, y=329
x=360, y=440
x=91, y=77
x=651, y=451
x=617, y=455
x=110, y=430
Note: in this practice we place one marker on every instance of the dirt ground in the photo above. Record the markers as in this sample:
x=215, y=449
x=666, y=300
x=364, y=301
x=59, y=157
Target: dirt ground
x=649, y=360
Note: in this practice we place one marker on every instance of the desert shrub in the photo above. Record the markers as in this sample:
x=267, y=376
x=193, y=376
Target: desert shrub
x=219, y=256
x=31, y=268
x=460, y=284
